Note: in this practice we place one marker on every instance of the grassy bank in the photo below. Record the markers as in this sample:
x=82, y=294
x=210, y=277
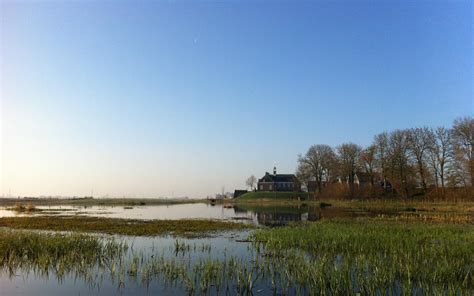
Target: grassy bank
x=121, y=226
x=262, y=196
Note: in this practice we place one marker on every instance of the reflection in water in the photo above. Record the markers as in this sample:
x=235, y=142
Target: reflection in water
x=282, y=215
x=256, y=214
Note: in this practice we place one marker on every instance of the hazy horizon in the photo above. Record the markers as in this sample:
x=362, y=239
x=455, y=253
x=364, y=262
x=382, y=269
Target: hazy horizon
x=184, y=98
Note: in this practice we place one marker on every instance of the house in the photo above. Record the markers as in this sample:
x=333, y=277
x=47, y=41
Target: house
x=278, y=182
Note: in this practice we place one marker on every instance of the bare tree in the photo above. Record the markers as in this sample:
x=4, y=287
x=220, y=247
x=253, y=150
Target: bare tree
x=368, y=162
x=381, y=144
x=303, y=173
x=399, y=161
x=251, y=181
x=349, y=154
x=418, y=144
x=463, y=140
x=440, y=153
x=317, y=163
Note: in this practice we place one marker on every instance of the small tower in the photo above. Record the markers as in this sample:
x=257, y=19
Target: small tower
x=274, y=170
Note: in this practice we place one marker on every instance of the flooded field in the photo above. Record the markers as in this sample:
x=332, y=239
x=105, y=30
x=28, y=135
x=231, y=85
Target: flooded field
x=319, y=258
x=258, y=215
x=301, y=249
x=153, y=266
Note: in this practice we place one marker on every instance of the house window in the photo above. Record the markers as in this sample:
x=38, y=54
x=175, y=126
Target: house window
x=261, y=187
x=270, y=186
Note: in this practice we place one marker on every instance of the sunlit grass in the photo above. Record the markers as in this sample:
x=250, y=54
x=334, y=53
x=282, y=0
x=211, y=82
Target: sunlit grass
x=373, y=256
x=61, y=254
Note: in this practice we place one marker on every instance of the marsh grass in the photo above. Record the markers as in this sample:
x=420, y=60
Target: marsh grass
x=370, y=256
x=188, y=227
x=332, y=257
x=59, y=254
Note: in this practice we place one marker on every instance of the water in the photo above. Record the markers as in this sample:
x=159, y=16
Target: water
x=223, y=247
x=258, y=215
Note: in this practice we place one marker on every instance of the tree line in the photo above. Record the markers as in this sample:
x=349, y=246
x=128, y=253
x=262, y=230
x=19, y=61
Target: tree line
x=408, y=162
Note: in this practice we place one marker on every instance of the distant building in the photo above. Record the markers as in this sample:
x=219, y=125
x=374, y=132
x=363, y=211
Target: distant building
x=278, y=182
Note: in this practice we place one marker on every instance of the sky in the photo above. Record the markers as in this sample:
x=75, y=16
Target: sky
x=185, y=98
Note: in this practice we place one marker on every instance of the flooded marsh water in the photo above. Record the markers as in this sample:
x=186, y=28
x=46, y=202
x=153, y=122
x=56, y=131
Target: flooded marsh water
x=258, y=215
x=313, y=255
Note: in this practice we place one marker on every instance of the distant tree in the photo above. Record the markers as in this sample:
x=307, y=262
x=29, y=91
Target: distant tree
x=418, y=145
x=251, y=182
x=463, y=142
x=318, y=163
x=399, y=161
x=381, y=144
x=368, y=161
x=303, y=173
x=440, y=154
x=406, y=160
x=349, y=160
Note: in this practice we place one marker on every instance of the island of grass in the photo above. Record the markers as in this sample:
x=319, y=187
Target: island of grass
x=186, y=227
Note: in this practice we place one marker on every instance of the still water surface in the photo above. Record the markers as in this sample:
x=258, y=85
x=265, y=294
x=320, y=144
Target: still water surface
x=264, y=215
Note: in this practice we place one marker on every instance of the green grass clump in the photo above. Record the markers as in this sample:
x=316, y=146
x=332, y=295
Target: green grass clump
x=188, y=227
x=44, y=253
x=372, y=256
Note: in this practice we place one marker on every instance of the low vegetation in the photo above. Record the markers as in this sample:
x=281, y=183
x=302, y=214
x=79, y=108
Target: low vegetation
x=22, y=207
x=335, y=257
x=372, y=257
x=188, y=227
x=61, y=254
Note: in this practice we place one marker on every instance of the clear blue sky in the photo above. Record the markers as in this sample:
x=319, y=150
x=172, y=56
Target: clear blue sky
x=182, y=98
